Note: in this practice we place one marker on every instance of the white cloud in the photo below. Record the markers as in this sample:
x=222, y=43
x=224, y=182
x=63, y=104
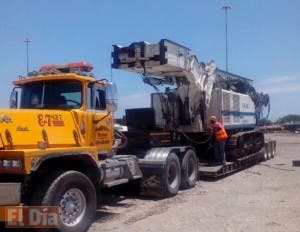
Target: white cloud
x=279, y=85
x=277, y=80
x=282, y=89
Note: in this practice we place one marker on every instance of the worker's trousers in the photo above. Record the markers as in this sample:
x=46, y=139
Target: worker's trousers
x=219, y=148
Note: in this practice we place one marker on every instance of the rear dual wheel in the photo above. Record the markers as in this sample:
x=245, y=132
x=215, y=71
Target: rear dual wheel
x=171, y=176
x=189, y=170
x=174, y=177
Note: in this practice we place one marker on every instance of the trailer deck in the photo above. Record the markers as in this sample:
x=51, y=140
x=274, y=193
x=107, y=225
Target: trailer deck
x=208, y=171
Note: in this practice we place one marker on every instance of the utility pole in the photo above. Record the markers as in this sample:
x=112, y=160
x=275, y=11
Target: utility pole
x=27, y=41
x=226, y=8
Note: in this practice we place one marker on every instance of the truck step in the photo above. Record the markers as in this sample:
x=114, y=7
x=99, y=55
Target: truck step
x=114, y=183
x=137, y=177
x=113, y=164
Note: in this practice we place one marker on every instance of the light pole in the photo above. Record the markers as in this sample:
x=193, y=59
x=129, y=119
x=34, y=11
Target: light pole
x=226, y=8
x=27, y=41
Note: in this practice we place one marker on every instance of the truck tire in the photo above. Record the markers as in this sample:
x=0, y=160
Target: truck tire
x=171, y=176
x=74, y=194
x=189, y=170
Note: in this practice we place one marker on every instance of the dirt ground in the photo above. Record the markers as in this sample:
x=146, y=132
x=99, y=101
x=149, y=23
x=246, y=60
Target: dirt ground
x=265, y=197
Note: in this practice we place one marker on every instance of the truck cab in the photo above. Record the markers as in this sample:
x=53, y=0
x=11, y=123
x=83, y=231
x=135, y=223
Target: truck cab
x=48, y=95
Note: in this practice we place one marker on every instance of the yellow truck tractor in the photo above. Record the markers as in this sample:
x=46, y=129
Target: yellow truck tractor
x=57, y=143
x=59, y=147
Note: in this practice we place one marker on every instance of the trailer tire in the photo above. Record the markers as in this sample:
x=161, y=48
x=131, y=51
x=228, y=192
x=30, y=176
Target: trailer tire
x=189, y=170
x=171, y=176
x=270, y=150
x=74, y=193
x=266, y=151
x=273, y=149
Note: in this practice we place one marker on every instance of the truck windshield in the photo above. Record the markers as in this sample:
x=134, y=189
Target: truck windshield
x=51, y=95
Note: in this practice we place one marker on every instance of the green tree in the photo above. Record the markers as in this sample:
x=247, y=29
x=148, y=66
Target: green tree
x=290, y=118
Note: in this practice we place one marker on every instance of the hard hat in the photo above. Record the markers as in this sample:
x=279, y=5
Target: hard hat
x=213, y=118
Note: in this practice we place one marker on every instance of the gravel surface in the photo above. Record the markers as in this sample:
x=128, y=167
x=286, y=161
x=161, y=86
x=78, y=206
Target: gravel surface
x=265, y=197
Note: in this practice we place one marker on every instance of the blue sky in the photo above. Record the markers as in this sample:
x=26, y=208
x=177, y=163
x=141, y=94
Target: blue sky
x=264, y=40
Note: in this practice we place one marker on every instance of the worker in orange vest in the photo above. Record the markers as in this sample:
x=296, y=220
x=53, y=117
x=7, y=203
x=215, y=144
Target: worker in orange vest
x=220, y=139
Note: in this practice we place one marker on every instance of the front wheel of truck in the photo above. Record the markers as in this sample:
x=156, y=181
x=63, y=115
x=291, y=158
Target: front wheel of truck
x=74, y=194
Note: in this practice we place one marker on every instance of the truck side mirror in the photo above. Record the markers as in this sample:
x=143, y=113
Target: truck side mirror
x=111, y=97
x=13, y=100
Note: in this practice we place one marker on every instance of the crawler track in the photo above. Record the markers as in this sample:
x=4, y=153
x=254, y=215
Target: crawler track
x=243, y=143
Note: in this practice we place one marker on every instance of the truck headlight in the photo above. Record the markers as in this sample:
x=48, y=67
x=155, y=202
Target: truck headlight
x=16, y=164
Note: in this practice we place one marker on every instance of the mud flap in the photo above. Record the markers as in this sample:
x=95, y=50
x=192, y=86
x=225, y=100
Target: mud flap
x=151, y=183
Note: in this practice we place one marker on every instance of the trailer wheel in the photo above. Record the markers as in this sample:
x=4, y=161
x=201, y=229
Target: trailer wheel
x=171, y=176
x=270, y=150
x=189, y=170
x=74, y=194
x=273, y=149
x=266, y=151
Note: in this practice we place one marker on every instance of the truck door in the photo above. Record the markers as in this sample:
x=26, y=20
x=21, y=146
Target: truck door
x=102, y=120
